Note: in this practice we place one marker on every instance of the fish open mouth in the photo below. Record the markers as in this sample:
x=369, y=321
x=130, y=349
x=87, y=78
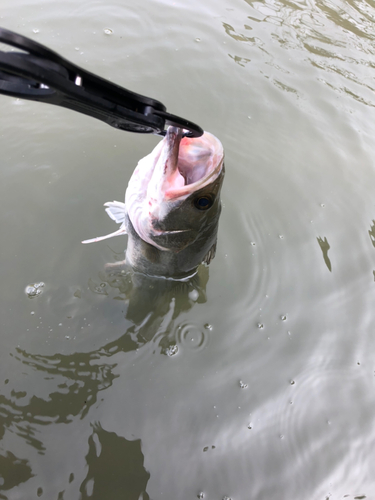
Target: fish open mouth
x=200, y=161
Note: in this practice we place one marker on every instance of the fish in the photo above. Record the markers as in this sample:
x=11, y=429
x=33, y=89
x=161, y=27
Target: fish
x=172, y=206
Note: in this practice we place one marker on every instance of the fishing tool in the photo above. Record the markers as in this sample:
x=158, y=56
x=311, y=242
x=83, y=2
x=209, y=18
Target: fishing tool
x=37, y=73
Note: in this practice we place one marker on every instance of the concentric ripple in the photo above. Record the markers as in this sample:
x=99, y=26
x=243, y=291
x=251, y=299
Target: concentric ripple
x=193, y=336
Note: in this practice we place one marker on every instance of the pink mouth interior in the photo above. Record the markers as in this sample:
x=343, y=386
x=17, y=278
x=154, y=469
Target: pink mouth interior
x=198, y=158
x=194, y=159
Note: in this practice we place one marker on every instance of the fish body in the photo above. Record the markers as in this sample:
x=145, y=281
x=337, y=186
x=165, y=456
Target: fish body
x=172, y=206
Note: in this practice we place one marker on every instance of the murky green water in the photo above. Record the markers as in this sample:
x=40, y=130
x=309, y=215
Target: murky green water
x=256, y=380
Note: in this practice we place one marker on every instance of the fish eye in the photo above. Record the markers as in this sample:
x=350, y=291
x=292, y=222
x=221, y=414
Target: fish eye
x=204, y=202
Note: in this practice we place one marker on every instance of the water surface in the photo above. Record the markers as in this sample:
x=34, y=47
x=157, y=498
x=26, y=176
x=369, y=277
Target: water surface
x=254, y=380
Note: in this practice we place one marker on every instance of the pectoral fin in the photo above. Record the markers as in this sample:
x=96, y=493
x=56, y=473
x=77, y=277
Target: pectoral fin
x=116, y=211
x=210, y=254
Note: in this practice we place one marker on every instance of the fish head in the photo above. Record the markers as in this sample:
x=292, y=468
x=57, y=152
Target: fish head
x=173, y=197
x=187, y=219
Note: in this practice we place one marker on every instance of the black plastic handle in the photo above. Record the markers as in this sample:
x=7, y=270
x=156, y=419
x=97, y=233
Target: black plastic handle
x=40, y=74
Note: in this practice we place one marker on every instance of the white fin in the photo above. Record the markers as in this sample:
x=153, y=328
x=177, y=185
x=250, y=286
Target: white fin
x=116, y=211
x=100, y=238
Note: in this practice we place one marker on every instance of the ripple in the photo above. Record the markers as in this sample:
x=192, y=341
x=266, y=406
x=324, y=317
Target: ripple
x=192, y=336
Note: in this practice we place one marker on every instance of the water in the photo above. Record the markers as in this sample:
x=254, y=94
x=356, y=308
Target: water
x=255, y=380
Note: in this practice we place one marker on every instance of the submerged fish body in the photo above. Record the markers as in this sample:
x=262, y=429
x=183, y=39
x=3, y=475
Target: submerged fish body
x=172, y=206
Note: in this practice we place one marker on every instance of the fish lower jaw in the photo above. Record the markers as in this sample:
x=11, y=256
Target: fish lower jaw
x=162, y=239
x=154, y=232
x=160, y=233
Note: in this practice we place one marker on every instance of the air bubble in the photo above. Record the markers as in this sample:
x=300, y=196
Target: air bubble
x=100, y=288
x=281, y=236
x=197, y=39
x=253, y=243
x=200, y=495
x=283, y=317
x=171, y=350
x=243, y=385
x=34, y=289
x=260, y=325
x=208, y=326
x=108, y=31
x=35, y=30
x=193, y=295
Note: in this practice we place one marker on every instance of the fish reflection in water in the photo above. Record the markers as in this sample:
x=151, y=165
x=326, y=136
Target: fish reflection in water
x=154, y=304
x=153, y=308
